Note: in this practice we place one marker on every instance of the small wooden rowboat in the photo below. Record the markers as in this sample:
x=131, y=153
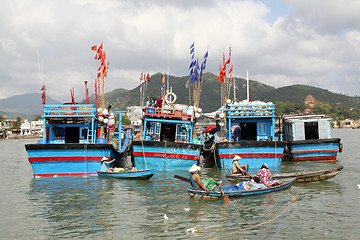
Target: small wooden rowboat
x=138, y=174
x=196, y=193
x=309, y=176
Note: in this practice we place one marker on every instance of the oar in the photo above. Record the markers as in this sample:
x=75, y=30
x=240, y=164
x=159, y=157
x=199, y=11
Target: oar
x=226, y=198
x=228, y=169
x=182, y=178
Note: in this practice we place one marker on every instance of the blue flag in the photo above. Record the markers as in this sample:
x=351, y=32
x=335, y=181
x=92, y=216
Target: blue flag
x=206, y=55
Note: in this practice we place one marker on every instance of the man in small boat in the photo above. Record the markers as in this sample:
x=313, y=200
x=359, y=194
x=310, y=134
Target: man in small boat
x=237, y=168
x=206, y=185
x=106, y=164
x=265, y=176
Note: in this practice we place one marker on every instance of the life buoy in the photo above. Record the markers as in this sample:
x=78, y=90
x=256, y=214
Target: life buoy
x=168, y=97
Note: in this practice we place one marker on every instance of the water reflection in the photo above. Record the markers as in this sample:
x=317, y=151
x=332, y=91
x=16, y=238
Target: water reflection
x=95, y=207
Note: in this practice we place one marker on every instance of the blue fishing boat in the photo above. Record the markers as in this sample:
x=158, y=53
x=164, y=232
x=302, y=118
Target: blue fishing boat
x=256, y=143
x=309, y=138
x=71, y=144
x=166, y=142
x=136, y=174
x=307, y=176
x=196, y=193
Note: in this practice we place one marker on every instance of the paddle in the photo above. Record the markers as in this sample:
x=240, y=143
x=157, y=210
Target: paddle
x=228, y=169
x=182, y=178
x=226, y=198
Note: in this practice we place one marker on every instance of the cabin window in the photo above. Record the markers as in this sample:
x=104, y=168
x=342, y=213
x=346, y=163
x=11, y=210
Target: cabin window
x=84, y=133
x=71, y=135
x=59, y=132
x=311, y=130
x=182, y=133
x=154, y=131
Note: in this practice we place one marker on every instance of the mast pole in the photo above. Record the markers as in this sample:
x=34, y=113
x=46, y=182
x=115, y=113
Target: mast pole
x=247, y=86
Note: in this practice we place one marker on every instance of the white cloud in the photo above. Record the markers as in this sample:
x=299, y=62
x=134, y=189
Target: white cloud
x=305, y=47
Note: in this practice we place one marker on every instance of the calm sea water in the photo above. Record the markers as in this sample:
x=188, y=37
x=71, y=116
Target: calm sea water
x=99, y=208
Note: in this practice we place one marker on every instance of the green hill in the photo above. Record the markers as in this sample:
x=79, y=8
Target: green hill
x=210, y=96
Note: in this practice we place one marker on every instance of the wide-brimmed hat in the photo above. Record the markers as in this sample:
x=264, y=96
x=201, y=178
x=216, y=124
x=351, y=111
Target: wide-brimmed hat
x=194, y=168
x=236, y=158
x=264, y=165
x=104, y=159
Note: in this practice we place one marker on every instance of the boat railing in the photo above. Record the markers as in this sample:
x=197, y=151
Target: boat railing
x=243, y=111
x=70, y=110
x=165, y=112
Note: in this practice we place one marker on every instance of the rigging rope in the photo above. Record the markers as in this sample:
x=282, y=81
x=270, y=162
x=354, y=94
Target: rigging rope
x=143, y=152
x=293, y=199
x=85, y=156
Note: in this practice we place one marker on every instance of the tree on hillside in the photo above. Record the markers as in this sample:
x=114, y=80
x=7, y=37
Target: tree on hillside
x=18, y=122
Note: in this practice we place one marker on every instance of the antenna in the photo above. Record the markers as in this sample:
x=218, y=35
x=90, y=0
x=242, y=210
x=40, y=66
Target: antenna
x=168, y=70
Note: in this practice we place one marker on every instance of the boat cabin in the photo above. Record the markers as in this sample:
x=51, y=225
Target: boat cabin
x=256, y=120
x=70, y=123
x=167, y=124
x=306, y=127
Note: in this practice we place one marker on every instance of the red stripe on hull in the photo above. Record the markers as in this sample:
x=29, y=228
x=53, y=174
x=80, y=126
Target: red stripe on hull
x=252, y=155
x=62, y=174
x=168, y=155
x=63, y=159
x=315, y=158
x=312, y=151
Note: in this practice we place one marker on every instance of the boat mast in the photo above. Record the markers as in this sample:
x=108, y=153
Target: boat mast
x=86, y=92
x=247, y=86
x=234, y=89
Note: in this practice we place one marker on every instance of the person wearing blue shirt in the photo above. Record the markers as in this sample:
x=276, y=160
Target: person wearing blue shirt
x=106, y=164
x=237, y=133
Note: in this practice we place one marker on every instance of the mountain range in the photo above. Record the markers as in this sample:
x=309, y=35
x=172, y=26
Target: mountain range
x=28, y=105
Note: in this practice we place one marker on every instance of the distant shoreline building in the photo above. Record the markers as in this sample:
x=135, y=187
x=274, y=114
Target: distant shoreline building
x=310, y=101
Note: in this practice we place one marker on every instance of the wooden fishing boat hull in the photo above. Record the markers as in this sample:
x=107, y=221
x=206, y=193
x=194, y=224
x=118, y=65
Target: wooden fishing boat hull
x=255, y=153
x=162, y=155
x=71, y=159
x=314, y=149
x=309, y=176
x=139, y=174
x=195, y=193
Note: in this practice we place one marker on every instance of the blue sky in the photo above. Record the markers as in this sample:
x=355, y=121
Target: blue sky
x=278, y=8
x=280, y=42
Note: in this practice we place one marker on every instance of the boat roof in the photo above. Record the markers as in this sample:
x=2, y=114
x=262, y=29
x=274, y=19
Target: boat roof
x=305, y=117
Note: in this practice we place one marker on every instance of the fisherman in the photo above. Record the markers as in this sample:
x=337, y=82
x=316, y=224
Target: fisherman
x=237, y=133
x=237, y=168
x=147, y=104
x=206, y=185
x=106, y=164
x=158, y=103
x=265, y=176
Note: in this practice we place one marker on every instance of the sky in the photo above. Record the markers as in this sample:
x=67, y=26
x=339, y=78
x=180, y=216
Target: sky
x=280, y=42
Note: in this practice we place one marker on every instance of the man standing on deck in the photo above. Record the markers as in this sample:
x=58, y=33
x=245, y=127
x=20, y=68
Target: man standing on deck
x=237, y=133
